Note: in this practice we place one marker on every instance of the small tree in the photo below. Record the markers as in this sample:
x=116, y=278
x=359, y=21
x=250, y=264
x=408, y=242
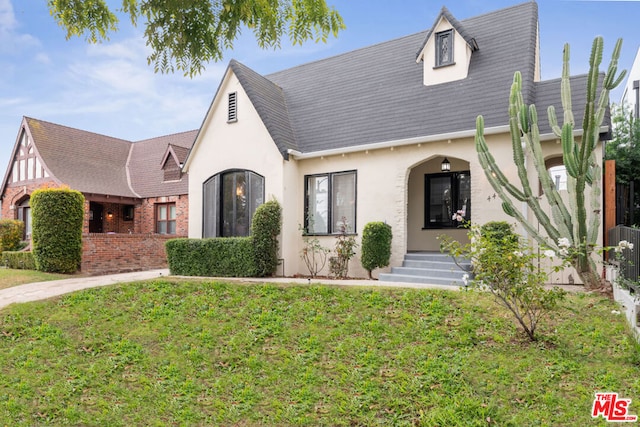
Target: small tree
x=376, y=246
x=265, y=228
x=507, y=268
x=576, y=223
x=345, y=250
x=57, y=215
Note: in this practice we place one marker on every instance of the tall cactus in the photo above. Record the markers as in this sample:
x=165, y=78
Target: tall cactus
x=573, y=222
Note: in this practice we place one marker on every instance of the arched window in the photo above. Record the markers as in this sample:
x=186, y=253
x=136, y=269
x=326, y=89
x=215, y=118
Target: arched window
x=229, y=201
x=557, y=172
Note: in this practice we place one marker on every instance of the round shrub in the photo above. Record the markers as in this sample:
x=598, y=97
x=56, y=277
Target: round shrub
x=57, y=215
x=376, y=246
x=265, y=228
x=10, y=234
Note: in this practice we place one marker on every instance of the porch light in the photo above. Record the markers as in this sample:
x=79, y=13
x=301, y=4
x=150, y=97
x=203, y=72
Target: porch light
x=110, y=215
x=445, y=166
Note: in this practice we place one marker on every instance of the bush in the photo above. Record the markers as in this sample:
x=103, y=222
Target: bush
x=11, y=231
x=265, y=229
x=57, y=215
x=215, y=257
x=376, y=246
x=509, y=270
x=18, y=260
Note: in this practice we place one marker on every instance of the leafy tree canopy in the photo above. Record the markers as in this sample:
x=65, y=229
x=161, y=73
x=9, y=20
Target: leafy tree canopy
x=624, y=147
x=185, y=35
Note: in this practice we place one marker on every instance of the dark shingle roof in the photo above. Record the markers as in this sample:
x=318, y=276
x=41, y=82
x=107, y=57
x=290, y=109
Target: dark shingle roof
x=146, y=169
x=99, y=164
x=85, y=161
x=376, y=94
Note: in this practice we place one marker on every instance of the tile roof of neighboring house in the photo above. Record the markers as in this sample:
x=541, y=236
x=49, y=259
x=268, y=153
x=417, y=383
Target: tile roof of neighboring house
x=99, y=164
x=146, y=164
x=376, y=94
x=85, y=161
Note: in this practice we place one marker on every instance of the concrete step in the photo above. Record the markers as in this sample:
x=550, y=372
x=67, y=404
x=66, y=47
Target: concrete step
x=430, y=268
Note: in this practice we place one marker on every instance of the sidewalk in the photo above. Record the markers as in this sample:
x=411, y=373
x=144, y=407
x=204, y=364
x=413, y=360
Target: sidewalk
x=43, y=290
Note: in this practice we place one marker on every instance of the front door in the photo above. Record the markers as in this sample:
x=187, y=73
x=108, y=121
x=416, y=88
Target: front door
x=95, y=217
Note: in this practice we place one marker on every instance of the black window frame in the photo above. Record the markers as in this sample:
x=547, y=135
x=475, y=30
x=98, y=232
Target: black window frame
x=213, y=197
x=331, y=230
x=448, y=221
x=442, y=35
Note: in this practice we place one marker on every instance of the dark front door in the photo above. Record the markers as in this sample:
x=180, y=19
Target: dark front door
x=95, y=217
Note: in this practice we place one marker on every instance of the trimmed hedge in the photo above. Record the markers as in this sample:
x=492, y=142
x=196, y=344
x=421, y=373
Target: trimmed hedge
x=18, y=260
x=215, y=257
x=265, y=228
x=11, y=231
x=376, y=246
x=57, y=215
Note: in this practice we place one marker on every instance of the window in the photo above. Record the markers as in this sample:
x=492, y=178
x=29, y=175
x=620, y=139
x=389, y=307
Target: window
x=232, y=112
x=127, y=212
x=444, y=48
x=330, y=203
x=558, y=173
x=166, y=218
x=447, y=199
x=229, y=201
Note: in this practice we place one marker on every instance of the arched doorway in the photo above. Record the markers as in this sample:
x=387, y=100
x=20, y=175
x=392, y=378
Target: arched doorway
x=23, y=213
x=439, y=202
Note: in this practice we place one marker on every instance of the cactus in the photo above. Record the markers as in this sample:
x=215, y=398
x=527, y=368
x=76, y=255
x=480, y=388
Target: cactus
x=573, y=222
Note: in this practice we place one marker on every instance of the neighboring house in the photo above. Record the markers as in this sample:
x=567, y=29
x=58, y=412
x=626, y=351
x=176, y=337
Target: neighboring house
x=631, y=93
x=129, y=187
x=383, y=133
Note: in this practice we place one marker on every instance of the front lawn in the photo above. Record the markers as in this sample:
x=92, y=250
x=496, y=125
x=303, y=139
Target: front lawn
x=204, y=353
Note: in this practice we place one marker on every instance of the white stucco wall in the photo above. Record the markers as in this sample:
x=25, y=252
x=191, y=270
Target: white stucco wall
x=462, y=58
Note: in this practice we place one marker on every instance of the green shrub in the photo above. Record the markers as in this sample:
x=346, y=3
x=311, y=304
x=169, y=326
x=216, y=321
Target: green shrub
x=57, y=215
x=499, y=231
x=376, y=246
x=11, y=231
x=215, y=257
x=265, y=229
x=18, y=260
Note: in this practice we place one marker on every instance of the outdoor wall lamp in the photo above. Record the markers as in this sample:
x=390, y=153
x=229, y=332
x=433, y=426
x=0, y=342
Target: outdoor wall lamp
x=445, y=166
x=110, y=215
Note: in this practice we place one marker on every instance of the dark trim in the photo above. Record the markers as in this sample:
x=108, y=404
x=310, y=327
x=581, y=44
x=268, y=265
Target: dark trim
x=329, y=175
x=448, y=223
x=450, y=34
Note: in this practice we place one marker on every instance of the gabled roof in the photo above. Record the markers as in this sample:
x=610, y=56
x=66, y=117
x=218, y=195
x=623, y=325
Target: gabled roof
x=460, y=29
x=85, y=161
x=269, y=101
x=376, y=94
x=148, y=157
x=100, y=164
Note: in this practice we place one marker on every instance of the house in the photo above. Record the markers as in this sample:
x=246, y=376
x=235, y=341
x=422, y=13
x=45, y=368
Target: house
x=130, y=188
x=631, y=94
x=382, y=133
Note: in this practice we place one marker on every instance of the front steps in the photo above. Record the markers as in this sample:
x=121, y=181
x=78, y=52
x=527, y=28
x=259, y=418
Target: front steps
x=432, y=268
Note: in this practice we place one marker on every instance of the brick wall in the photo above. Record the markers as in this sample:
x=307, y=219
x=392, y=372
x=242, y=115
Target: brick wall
x=119, y=253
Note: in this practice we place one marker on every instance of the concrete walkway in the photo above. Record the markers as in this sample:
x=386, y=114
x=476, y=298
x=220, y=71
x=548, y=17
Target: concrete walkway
x=43, y=290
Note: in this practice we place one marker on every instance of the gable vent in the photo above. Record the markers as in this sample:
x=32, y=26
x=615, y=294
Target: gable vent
x=232, y=115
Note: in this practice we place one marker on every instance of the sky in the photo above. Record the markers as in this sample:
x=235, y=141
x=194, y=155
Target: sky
x=110, y=89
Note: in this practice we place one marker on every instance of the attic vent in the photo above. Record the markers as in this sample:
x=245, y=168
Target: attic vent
x=233, y=107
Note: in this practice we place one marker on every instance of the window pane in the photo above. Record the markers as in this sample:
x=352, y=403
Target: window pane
x=171, y=227
x=162, y=213
x=172, y=211
x=228, y=204
x=559, y=177
x=344, y=202
x=210, y=205
x=318, y=204
x=256, y=193
x=464, y=196
x=162, y=227
x=440, y=199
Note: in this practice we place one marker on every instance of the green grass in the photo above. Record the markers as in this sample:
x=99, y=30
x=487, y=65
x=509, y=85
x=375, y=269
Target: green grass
x=10, y=277
x=167, y=352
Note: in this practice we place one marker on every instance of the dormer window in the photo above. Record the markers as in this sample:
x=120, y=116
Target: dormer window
x=444, y=48
x=232, y=114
